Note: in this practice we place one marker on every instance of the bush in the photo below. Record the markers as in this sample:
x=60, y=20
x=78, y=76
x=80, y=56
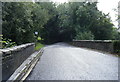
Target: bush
x=84, y=36
x=5, y=43
x=116, y=45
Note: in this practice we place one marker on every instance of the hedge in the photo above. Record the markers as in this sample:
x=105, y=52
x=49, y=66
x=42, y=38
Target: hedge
x=116, y=45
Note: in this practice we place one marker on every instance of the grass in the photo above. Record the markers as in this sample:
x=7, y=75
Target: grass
x=38, y=46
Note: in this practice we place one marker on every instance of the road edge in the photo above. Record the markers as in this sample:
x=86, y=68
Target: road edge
x=26, y=67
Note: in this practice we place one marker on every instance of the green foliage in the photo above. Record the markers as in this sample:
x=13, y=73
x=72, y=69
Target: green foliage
x=17, y=23
x=24, y=19
x=38, y=46
x=116, y=46
x=83, y=20
x=63, y=22
x=116, y=34
x=88, y=17
x=7, y=43
x=39, y=38
x=84, y=36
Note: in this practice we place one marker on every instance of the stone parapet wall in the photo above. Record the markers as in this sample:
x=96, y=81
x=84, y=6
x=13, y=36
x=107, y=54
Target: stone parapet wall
x=13, y=57
x=103, y=45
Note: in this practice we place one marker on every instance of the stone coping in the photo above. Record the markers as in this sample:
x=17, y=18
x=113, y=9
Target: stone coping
x=15, y=48
x=93, y=40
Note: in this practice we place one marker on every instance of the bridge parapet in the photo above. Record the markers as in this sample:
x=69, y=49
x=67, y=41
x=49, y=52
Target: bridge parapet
x=13, y=57
x=103, y=45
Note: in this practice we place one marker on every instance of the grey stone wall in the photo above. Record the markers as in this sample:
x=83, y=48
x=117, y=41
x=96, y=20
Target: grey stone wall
x=103, y=45
x=13, y=57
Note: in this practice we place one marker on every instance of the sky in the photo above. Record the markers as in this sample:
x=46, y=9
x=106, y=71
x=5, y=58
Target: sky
x=106, y=6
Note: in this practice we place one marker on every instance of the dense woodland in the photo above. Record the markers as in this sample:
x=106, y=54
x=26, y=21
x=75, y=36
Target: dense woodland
x=55, y=22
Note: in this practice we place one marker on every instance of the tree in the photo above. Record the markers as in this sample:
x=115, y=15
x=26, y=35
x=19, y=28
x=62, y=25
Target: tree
x=88, y=18
x=17, y=23
x=54, y=23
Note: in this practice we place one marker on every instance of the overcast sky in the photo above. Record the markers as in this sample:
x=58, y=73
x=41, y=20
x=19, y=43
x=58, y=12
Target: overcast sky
x=106, y=6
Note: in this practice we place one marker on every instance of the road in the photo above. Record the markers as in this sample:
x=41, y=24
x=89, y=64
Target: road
x=61, y=61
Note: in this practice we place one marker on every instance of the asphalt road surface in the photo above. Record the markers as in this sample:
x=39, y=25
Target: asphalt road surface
x=61, y=61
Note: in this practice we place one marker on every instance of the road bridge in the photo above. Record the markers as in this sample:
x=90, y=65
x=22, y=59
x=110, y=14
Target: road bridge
x=61, y=61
